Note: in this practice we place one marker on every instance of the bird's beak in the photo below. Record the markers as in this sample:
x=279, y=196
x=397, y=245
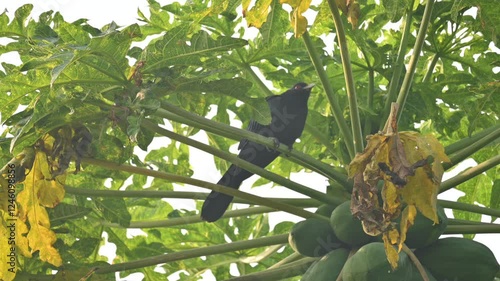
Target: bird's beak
x=309, y=86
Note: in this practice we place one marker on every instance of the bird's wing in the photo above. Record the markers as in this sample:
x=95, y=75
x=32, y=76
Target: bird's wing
x=254, y=127
x=273, y=101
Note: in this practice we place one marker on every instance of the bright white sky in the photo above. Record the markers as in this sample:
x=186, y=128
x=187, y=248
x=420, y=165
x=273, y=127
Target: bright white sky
x=124, y=13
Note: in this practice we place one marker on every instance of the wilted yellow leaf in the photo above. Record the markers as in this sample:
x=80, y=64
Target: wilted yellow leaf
x=353, y=14
x=8, y=268
x=51, y=192
x=39, y=236
x=41, y=239
x=22, y=241
x=407, y=220
x=411, y=167
x=342, y=5
x=298, y=21
x=358, y=164
x=390, y=251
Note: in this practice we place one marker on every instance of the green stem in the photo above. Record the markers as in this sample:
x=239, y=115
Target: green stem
x=432, y=65
x=248, y=69
x=466, y=142
x=472, y=148
x=469, y=173
x=189, y=219
x=337, y=111
x=397, y=67
x=472, y=229
x=291, y=258
x=173, y=113
x=417, y=48
x=466, y=222
x=349, y=78
x=198, y=252
x=305, y=202
x=369, y=101
x=292, y=269
x=243, y=164
x=219, y=188
x=469, y=208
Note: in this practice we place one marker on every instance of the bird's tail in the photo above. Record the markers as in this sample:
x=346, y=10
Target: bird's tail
x=216, y=203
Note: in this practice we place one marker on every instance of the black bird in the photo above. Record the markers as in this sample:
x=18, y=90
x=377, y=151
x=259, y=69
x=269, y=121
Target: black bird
x=288, y=117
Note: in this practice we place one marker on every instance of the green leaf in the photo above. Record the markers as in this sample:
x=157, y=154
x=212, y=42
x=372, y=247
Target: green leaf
x=236, y=88
x=395, y=8
x=174, y=48
x=114, y=210
x=64, y=212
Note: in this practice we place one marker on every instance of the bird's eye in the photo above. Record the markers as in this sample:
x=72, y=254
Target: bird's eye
x=297, y=87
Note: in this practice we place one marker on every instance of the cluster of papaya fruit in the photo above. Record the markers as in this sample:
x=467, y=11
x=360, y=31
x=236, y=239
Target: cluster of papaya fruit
x=445, y=259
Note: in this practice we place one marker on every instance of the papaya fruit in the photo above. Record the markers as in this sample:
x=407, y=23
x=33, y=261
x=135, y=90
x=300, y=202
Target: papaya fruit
x=424, y=232
x=347, y=228
x=328, y=267
x=313, y=238
x=459, y=259
x=325, y=210
x=370, y=263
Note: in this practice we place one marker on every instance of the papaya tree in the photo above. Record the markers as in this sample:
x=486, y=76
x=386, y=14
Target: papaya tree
x=87, y=101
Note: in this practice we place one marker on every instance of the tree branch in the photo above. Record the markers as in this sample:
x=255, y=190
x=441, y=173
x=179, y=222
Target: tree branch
x=334, y=103
x=194, y=253
x=219, y=188
x=349, y=78
x=243, y=164
x=417, y=48
x=469, y=173
x=177, y=114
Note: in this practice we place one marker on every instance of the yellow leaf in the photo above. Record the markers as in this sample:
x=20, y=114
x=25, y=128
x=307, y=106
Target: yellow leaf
x=353, y=14
x=8, y=264
x=22, y=241
x=257, y=15
x=391, y=198
x=342, y=5
x=358, y=164
x=299, y=23
x=393, y=236
x=39, y=236
x=421, y=192
x=390, y=251
x=304, y=6
x=293, y=3
x=407, y=220
x=421, y=189
x=51, y=192
x=245, y=4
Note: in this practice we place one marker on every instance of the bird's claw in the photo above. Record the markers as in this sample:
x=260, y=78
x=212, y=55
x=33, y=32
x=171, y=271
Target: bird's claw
x=287, y=154
x=276, y=144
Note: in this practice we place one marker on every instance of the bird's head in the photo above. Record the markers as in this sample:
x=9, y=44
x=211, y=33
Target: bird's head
x=303, y=87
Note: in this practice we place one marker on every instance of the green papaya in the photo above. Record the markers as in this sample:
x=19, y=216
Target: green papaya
x=459, y=259
x=328, y=267
x=424, y=232
x=370, y=263
x=313, y=238
x=347, y=228
x=325, y=210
